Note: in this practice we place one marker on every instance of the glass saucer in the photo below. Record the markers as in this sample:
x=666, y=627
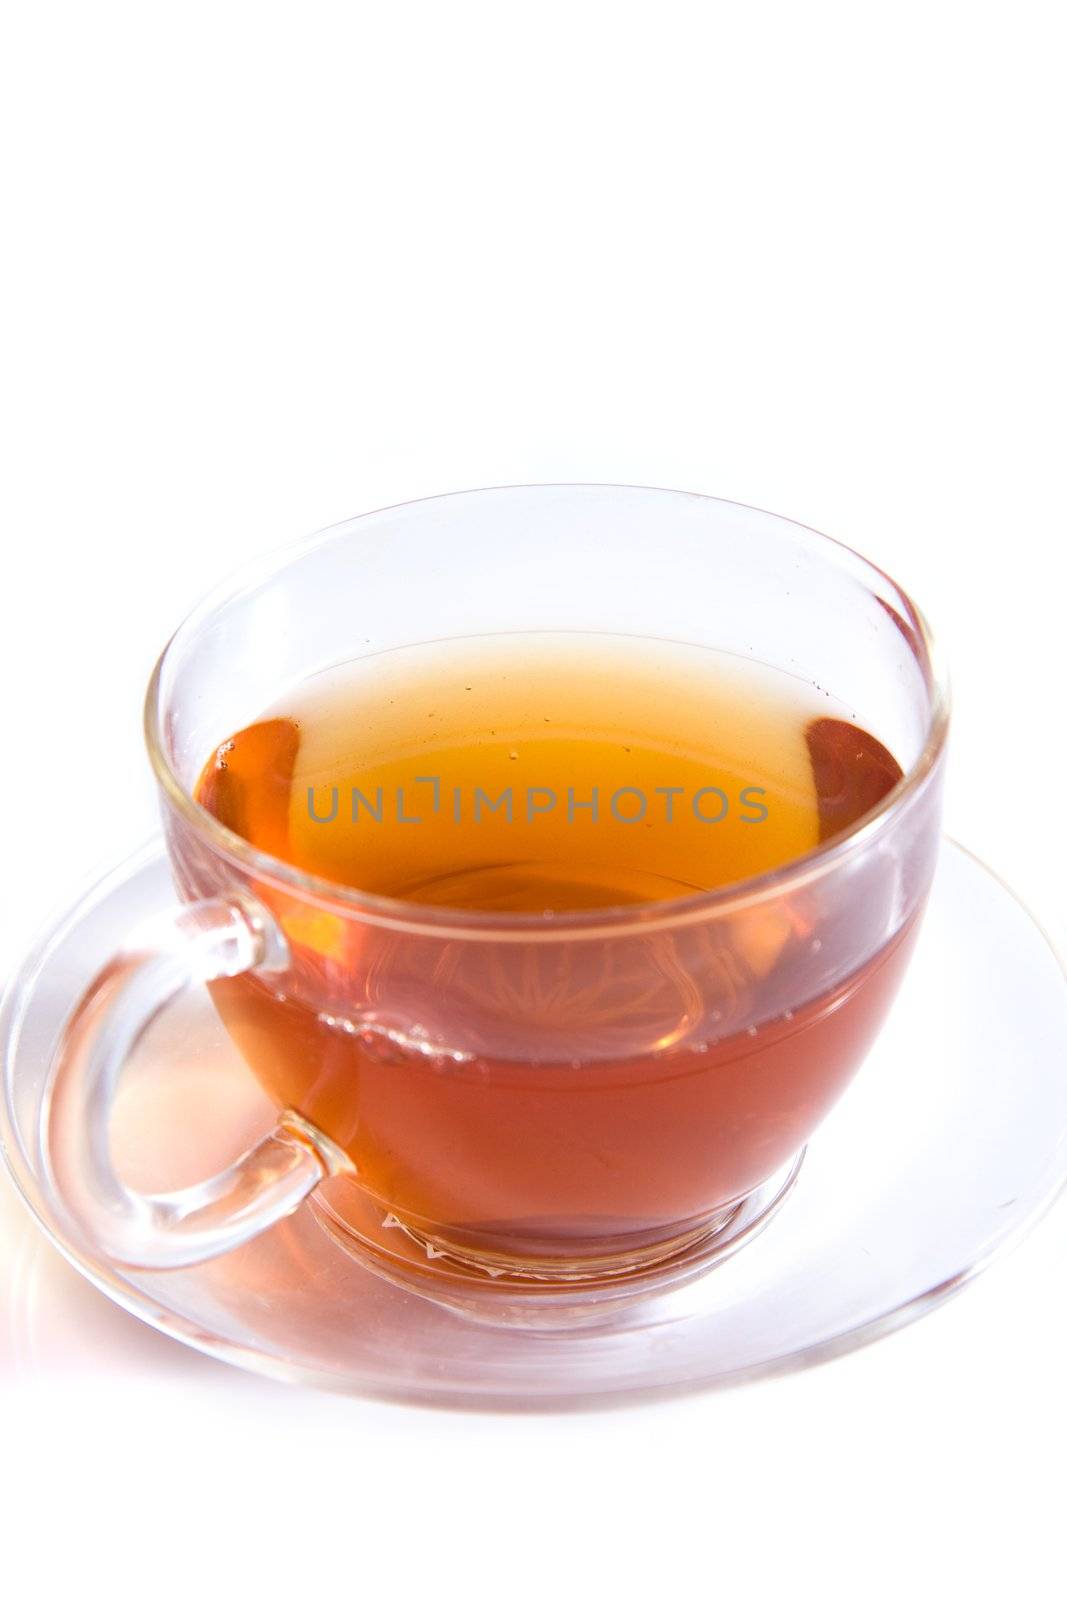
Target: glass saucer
x=947, y=1147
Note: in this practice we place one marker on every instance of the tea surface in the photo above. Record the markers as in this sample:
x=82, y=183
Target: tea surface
x=546, y=773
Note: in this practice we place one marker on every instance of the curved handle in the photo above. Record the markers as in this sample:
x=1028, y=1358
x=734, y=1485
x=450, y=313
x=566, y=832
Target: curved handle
x=209, y=939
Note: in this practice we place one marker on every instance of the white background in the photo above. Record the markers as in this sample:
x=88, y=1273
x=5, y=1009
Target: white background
x=268, y=266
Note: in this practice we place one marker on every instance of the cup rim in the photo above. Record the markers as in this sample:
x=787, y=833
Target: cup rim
x=385, y=910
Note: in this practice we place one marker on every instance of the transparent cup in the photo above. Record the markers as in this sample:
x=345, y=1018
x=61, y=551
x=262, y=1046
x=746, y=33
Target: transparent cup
x=596, y=1100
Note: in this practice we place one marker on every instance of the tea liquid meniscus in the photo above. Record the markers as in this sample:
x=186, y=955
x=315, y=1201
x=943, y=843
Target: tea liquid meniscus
x=546, y=774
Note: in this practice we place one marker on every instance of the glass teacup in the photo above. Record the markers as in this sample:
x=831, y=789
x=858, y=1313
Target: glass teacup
x=604, y=1099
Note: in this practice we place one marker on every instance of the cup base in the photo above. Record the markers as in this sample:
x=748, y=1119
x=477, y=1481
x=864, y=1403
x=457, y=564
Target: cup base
x=539, y=1294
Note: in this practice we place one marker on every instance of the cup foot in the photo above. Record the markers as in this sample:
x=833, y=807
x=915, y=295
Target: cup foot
x=540, y=1294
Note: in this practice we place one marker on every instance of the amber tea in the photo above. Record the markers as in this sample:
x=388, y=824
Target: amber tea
x=536, y=1104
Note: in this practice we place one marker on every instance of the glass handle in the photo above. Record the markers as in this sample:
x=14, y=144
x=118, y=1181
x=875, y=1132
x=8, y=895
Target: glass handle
x=195, y=944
